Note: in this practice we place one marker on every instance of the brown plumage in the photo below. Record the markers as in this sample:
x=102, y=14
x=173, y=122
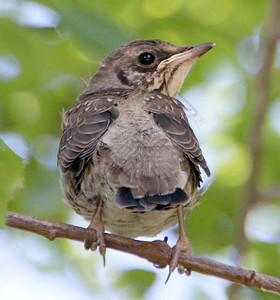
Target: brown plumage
x=128, y=157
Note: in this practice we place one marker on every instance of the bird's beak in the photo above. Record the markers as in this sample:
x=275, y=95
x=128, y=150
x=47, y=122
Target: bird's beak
x=189, y=54
x=199, y=50
x=177, y=66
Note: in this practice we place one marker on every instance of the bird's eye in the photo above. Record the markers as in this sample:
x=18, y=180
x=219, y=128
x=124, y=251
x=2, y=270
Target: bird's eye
x=146, y=58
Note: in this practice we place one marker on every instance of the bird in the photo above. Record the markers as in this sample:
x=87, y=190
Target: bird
x=129, y=160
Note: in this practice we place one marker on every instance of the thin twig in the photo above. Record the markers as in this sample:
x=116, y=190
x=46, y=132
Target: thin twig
x=251, y=193
x=157, y=252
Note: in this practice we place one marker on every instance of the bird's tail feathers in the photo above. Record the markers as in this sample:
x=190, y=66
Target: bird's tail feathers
x=124, y=199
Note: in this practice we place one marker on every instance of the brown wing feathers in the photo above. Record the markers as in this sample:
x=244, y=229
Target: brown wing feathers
x=84, y=124
x=169, y=115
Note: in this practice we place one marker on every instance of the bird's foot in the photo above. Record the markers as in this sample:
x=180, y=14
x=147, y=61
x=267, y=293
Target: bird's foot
x=90, y=243
x=182, y=246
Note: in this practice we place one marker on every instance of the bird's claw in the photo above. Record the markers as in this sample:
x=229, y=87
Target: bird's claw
x=180, y=247
x=99, y=242
x=181, y=270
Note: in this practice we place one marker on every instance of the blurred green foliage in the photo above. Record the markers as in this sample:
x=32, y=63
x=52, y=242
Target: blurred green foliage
x=11, y=178
x=53, y=63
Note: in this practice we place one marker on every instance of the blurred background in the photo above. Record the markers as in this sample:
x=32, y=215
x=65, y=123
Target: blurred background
x=48, y=52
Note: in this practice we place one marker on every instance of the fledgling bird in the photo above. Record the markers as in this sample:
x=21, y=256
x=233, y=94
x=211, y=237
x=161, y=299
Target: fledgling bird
x=128, y=158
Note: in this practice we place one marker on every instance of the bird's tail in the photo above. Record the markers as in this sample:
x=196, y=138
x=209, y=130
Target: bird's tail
x=124, y=199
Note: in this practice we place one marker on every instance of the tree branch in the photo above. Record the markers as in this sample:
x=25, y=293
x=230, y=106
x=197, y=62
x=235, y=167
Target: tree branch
x=157, y=252
x=251, y=192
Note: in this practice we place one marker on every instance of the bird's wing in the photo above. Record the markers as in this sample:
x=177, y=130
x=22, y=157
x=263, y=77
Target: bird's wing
x=83, y=125
x=169, y=115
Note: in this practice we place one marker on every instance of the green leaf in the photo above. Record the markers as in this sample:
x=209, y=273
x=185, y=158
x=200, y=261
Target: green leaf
x=11, y=178
x=42, y=196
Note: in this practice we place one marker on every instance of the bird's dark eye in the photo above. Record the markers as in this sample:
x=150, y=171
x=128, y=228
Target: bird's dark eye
x=146, y=58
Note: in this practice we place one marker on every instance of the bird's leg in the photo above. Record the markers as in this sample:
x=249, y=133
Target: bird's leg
x=182, y=245
x=97, y=225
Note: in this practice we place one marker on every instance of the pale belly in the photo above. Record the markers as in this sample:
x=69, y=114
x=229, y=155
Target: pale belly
x=125, y=223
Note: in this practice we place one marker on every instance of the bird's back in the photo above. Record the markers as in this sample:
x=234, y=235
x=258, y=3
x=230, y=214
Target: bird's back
x=142, y=157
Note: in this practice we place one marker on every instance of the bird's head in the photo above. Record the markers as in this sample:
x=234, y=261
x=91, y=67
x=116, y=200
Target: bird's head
x=148, y=65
